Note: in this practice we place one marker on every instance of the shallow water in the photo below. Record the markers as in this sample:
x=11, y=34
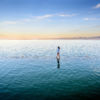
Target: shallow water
x=29, y=70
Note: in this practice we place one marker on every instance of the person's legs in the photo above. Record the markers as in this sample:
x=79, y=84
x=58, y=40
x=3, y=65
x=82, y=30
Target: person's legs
x=58, y=57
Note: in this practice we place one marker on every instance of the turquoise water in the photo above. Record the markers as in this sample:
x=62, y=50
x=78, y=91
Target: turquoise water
x=29, y=70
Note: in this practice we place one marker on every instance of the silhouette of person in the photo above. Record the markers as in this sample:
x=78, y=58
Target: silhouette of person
x=58, y=57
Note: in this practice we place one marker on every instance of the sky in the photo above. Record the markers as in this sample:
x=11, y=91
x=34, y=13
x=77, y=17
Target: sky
x=35, y=19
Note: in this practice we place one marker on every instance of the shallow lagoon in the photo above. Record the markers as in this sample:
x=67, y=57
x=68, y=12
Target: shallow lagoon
x=29, y=70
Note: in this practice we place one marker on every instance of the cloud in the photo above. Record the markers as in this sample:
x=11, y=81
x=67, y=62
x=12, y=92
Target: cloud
x=87, y=19
x=67, y=15
x=44, y=16
x=97, y=6
x=22, y=21
x=26, y=20
x=10, y=22
x=55, y=15
x=36, y=18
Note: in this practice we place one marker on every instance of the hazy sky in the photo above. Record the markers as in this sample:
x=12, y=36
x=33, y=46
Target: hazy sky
x=50, y=17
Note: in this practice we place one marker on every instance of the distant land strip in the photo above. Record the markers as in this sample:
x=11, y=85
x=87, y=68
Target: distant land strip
x=47, y=37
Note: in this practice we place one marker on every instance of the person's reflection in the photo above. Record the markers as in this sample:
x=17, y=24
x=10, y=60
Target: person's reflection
x=58, y=65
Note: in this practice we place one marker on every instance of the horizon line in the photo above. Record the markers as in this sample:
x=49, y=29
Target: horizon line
x=48, y=36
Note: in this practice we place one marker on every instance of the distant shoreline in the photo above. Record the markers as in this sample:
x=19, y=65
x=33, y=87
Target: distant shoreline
x=50, y=39
x=55, y=38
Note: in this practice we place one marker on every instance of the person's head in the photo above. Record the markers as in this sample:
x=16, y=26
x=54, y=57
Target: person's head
x=58, y=47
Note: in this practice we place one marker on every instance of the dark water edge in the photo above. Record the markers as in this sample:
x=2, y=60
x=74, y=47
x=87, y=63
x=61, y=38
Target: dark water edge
x=23, y=96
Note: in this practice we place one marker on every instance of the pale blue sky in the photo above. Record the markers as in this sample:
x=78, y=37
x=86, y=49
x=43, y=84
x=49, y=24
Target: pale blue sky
x=50, y=16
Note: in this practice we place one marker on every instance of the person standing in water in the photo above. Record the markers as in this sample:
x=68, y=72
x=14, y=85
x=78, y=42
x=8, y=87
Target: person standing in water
x=58, y=54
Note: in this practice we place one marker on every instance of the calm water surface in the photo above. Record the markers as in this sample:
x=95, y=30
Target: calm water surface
x=29, y=70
